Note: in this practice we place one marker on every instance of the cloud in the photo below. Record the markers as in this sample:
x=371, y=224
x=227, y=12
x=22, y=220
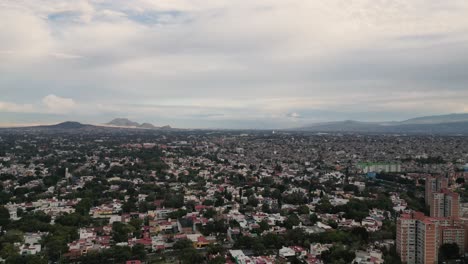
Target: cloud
x=18, y=108
x=23, y=34
x=50, y=104
x=65, y=56
x=294, y=115
x=56, y=104
x=244, y=60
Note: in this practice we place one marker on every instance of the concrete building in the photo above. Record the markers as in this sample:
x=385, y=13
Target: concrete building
x=416, y=241
x=434, y=184
x=419, y=237
x=453, y=234
x=426, y=241
x=406, y=238
x=377, y=167
x=445, y=204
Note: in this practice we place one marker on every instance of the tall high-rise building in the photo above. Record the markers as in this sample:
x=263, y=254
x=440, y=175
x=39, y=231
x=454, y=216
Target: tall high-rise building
x=406, y=237
x=419, y=237
x=434, y=184
x=426, y=244
x=445, y=203
x=416, y=241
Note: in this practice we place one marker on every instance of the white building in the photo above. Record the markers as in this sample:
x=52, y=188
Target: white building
x=286, y=252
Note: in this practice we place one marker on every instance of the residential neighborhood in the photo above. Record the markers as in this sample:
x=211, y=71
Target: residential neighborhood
x=225, y=197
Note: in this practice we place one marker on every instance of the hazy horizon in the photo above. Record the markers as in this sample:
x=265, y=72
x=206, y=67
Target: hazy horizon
x=217, y=125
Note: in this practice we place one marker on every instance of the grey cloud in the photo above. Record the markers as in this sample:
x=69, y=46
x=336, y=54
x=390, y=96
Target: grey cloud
x=264, y=60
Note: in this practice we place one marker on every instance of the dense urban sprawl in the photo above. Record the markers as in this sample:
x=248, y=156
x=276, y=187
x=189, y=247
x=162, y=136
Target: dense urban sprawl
x=140, y=196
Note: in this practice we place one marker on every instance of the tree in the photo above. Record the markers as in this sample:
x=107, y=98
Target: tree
x=4, y=216
x=208, y=202
x=136, y=223
x=264, y=225
x=295, y=198
x=218, y=260
x=332, y=223
x=177, y=214
x=187, y=253
x=121, y=254
x=313, y=218
x=95, y=257
x=121, y=231
x=27, y=259
x=139, y=252
x=12, y=236
x=190, y=255
x=143, y=207
x=174, y=200
x=55, y=246
x=449, y=251
x=216, y=226
x=361, y=233
x=183, y=244
x=219, y=201
x=295, y=236
x=273, y=241
x=258, y=246
x=276, y=194
x=19, y=212
x=291, y=221
x=391, y=256
x=338, y=253
x=83, y=206
x=214, y=249
x=351, y=188
x=252, y=200
x=303, y=209
x=244, y=242
x=209, y=213
x=73, y=219
x=266, y=208
x=55, y=243
x=278, y=168
x=228, y=196
x=129, y=206
x=460, y=180
x=9, y=250
x=324, y=206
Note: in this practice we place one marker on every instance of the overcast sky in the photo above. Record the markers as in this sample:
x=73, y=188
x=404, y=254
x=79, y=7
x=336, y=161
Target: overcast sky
x=231, y=63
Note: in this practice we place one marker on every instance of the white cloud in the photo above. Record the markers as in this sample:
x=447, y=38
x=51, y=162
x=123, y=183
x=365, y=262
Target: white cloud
x=65, y=56
x=261, y=59
x=294, y=115
x=15, y=108
x=58, y=105
x=23, y=34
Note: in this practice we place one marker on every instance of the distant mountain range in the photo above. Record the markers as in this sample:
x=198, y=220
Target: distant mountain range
x=439, y=119
x=65, y=125
x=72, y=126
x=124, y=122
x=441, y=124
x=68, y=126
x=452, y=124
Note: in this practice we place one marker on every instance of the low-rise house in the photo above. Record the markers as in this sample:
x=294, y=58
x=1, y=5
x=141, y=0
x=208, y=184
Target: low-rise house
x=316, y=249
x=286, y=252
x=371, y=224
x=30, y=249
x=368, y=257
